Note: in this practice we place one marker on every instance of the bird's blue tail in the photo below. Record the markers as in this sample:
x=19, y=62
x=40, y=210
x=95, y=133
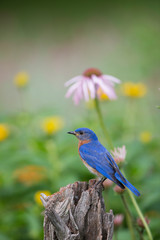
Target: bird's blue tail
x=125, y=182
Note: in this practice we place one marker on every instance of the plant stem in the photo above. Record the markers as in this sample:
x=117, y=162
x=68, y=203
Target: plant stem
x=102, y=123
x=141, y=235
x=126, y=205
x=129, y=217
x=140, y=214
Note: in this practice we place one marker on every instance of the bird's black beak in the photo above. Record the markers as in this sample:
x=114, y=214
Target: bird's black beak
x=73, y=132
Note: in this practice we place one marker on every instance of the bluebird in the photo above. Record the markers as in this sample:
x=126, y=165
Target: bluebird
x=99, y=160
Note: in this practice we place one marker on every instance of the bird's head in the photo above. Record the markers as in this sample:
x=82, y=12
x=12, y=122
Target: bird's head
x=84, y=134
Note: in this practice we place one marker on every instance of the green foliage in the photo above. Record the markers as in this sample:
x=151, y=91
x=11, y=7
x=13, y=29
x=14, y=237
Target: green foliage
x=28, y=146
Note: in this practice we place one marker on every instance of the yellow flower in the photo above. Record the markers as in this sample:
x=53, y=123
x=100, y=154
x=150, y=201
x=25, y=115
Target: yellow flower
x=21, y=79
x=4, y=132
x=30, y=174
x=51, y=125
x=37, y=196
x=145, y=137
x=134, y=90
x=102, y=96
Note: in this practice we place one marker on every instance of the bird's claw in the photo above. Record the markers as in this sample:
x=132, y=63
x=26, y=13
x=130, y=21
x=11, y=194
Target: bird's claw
x=99, y=186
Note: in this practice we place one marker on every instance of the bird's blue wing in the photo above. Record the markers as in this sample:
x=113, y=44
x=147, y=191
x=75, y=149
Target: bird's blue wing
x=94, y=154
x=99, y=158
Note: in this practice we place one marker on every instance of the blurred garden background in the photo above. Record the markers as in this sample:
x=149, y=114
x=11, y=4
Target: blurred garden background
x=43, y=44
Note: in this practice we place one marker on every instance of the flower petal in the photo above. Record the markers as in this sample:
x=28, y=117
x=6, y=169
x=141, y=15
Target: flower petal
x=76, y=99
x=119, y=154
x=85, y=90
x=78, y=95
x=111, y=78
x=73, y=80
x=91, y=88
x=107, y=89
x=72, y=89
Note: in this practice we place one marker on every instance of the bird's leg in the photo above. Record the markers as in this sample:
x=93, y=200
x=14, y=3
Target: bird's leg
x=100, y=181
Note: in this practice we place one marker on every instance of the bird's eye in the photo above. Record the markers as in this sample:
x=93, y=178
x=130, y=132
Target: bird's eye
x=80, y=132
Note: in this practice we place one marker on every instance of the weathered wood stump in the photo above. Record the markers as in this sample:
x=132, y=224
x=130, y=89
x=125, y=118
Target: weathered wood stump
x=77, y=212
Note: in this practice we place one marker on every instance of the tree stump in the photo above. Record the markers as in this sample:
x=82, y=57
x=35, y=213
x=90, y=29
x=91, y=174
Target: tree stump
x=77, y=212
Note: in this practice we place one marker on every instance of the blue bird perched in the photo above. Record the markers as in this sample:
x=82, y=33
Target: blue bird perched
x=98, y=159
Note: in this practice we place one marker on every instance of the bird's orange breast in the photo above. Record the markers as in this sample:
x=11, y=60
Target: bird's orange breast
x=82, y=142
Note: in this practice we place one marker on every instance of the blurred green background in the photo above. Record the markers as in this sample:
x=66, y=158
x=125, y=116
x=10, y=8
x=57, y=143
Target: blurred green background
x=53, y=42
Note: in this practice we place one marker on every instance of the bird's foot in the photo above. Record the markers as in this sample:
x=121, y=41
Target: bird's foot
x=99, y=184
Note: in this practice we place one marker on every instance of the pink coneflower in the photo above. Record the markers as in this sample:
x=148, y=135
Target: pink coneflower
x=119, y=154
x=86, y=85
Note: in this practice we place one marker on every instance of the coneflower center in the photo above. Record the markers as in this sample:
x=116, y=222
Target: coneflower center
x=92, y=71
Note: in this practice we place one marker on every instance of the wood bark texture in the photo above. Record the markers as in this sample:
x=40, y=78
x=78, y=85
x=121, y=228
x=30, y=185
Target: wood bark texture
x=77, y=212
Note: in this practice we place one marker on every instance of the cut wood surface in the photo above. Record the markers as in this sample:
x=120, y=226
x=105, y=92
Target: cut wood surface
x=77, y=212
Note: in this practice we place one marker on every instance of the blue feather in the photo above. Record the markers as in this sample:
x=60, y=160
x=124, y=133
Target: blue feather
x=97, y=156
x=127, y=184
